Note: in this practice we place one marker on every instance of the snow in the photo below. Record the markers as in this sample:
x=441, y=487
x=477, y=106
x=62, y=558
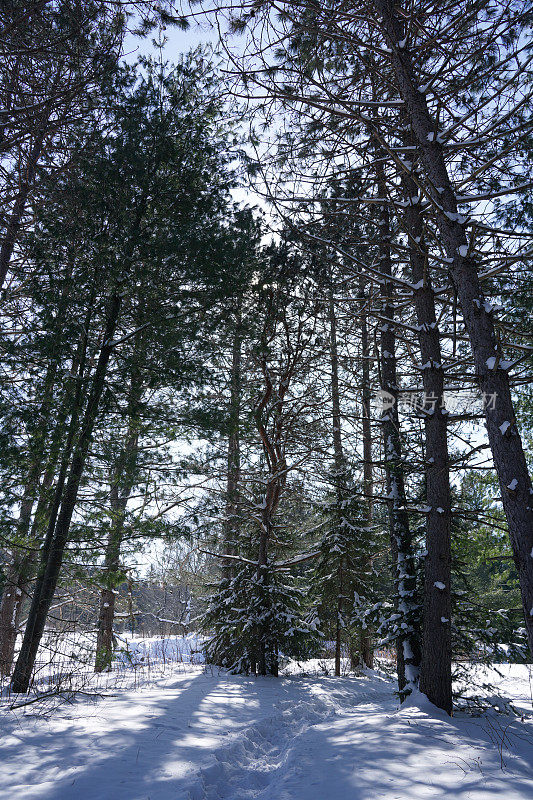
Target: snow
x=492, y=362
x=418, y=706
x=512, y=486
x=205, y=735
x=490, y=307
x=439, y=585
x=184, y=649
x=407, y=650
x=504, y=427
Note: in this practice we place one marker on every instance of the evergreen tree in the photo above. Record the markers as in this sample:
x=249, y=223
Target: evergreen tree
x=344, y=581
x=256, y=619
x=147, y=195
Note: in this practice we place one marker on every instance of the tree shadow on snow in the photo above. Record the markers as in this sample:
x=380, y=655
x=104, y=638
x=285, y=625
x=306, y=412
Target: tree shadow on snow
x=136, y=746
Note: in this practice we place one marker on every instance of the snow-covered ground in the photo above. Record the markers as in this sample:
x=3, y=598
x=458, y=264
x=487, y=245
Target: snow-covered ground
x=65, y=661
x=185, y=649
x=196, y=734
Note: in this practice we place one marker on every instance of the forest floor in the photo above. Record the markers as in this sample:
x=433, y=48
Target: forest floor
x=195, y=734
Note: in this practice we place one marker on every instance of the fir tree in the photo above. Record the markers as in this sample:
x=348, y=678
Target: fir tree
x=344, y=580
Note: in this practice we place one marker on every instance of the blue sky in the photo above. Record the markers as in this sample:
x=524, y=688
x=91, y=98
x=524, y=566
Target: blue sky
x=179, y=41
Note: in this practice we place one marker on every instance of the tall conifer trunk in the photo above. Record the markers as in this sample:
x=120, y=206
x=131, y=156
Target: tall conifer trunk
x=234, y=453
x=122, y=482
x=407, y=641
x=339, y=464
x=436, y=663
x=367, y=650
x=55, y=545
x=493, y=380
x=106, y=614
x=24, y=555
x=15, y=583
x=15, y=219
x=272, y=440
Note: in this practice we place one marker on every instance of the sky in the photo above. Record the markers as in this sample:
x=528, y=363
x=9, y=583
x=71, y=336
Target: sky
x=178, y=41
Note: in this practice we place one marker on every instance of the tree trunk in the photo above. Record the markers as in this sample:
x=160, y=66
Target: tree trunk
x=9, y=617
x=122, y=483
x=408, y=644
x=106, y=615
x=15, y=218
x=339, y=460
x=436, y=662
x=47, y=580
x=504, y=438
x=339, y=463
x=21, y=573
x=15, y=581
x=262, y=577
x=273, y=449
x=23, y=556
x=338, y=626
x=367, y=648
x=47, y=509
x=234, y=456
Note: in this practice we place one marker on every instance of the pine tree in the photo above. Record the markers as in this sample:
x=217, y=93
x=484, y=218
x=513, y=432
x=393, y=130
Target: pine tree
x=343, y=579
x=256, y=619
x=143, y=192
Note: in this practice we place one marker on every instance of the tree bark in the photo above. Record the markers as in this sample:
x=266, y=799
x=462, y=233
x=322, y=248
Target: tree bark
x=23, y=556
x=234, y=455
x=47, y=508
x=122, y=482
x=47, y=580
x=273, y=448
x=408, y=643
x=367, y=649
x=339, y=464
x=14, y=222
x=493, y=380
x=12, y=598
x=436, y=662
x=106, y=615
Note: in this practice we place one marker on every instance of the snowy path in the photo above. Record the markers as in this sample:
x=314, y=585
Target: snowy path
x=208, y=737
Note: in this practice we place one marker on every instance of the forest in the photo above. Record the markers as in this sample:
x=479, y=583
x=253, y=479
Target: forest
x=267, y=356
